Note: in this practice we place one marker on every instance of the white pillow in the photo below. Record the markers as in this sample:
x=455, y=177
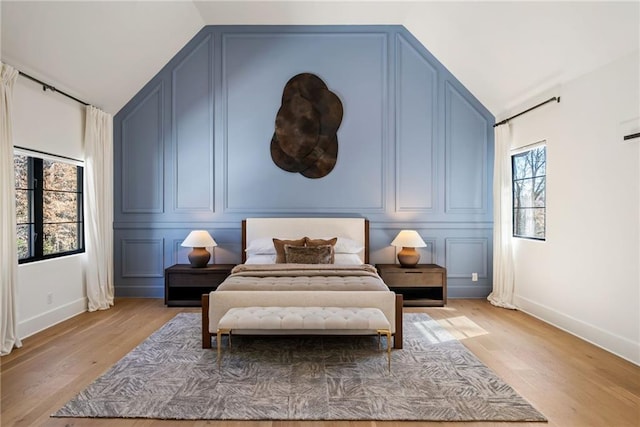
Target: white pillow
x=347, y=259
x=347, y=246
x=262, y=246
x=340, y=259
x=260, y=259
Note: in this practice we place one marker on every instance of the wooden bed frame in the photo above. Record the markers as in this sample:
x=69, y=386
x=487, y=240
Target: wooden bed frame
x=353, y=228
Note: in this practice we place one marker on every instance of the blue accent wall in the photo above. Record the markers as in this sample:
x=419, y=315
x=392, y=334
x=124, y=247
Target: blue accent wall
x=191, y=150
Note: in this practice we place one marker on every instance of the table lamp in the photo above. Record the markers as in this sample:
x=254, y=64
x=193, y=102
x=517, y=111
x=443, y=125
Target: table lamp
x=199, y=240
x=409, y=240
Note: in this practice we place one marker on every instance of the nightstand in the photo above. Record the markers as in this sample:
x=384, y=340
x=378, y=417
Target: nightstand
x=184, y=285
x=424, y=285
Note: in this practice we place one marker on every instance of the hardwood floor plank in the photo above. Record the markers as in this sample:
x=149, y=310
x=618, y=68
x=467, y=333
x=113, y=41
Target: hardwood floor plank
x=572, y=382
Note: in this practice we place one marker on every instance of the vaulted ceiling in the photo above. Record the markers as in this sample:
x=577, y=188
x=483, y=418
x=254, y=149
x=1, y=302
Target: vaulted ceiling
x=503, y=52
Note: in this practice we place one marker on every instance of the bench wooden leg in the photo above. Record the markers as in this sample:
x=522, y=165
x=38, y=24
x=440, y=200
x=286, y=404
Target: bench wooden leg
x=206, y=335
x=397, y=339
x=218, y=339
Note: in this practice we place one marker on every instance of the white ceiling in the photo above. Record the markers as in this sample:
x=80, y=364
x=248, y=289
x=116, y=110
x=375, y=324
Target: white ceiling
x=503, y=52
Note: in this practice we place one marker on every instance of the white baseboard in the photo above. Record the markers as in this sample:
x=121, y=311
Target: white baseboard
x=620, y=346
x=35, y=324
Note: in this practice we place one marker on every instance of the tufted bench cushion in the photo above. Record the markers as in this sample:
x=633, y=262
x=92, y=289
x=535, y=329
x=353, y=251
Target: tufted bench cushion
x=307, y=318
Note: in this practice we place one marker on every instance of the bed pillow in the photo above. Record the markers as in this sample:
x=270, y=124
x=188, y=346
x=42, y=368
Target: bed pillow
x=322, y=242
x=347, y=259
x=348, y=246
x=322, y=254
x=342, y=245
x=263, y=246
x=261, y=259
x=279, y=245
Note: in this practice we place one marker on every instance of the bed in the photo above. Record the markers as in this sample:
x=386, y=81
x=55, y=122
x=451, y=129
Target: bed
x=349, y=281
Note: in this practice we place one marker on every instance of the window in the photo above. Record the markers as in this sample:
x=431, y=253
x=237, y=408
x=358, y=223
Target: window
x=49, y=210
x=529, y=170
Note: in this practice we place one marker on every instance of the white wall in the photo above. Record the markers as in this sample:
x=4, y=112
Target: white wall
x=51, y=123
x=585, y=277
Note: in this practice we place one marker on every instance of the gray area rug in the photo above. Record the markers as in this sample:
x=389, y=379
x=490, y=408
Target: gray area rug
x=169, y=376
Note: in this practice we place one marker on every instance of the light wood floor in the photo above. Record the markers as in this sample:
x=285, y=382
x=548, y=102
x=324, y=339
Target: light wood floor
x=570, y=381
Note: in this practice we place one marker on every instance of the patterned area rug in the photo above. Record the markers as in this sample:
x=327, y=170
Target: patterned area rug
x=169, y=376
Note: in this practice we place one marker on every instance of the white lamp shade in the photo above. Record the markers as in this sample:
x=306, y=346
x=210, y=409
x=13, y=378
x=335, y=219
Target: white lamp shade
x=408, y=239
x=199, y=239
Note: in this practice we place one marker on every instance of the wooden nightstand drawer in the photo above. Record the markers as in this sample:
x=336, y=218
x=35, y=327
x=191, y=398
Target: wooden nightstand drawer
x=188, y=279
x=412, y=278
x=423, y=285
x=184, y=285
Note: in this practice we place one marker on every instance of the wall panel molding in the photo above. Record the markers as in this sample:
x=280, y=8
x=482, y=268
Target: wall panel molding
x=428, y=255
x=416, y=120
x=465, y=256
x=362, y=85
x=178, y=252
x=192, y=130
x=466, y=153
x=142, y=258
x=142, y=157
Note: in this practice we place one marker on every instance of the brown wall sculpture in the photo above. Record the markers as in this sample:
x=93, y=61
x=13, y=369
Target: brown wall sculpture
x=305, y=139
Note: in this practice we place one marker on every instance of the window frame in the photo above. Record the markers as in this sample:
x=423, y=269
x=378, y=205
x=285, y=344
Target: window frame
x=35, y=197
x=519, y=153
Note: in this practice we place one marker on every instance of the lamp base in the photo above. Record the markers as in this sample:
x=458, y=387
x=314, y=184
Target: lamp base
x=199, y=257
x=408, y=257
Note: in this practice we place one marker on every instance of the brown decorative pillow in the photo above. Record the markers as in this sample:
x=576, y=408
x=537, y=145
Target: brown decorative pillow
x=317, y=242
x=279, y=245
x=308, y=255
x=321, y=242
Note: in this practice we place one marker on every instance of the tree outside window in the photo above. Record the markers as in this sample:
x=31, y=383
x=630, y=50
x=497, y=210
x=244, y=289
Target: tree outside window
x=529, y=170
x=48, y=208
x=24, y=196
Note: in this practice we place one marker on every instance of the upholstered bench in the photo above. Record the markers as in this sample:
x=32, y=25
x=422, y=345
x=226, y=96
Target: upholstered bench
x=305, y=319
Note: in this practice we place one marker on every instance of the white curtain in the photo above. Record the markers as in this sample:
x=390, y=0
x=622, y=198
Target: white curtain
x=98, y=145
x=503, y=270
x=8, y=247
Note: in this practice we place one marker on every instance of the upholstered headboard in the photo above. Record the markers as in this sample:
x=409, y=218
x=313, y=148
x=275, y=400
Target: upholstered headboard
x=292, y=228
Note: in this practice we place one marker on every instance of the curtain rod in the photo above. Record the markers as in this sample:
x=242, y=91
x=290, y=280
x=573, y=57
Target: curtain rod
x=46, y=86
x=505, y=121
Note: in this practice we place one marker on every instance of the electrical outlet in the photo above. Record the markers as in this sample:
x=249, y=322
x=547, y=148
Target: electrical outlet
x=49, y=298
x=474, y=277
